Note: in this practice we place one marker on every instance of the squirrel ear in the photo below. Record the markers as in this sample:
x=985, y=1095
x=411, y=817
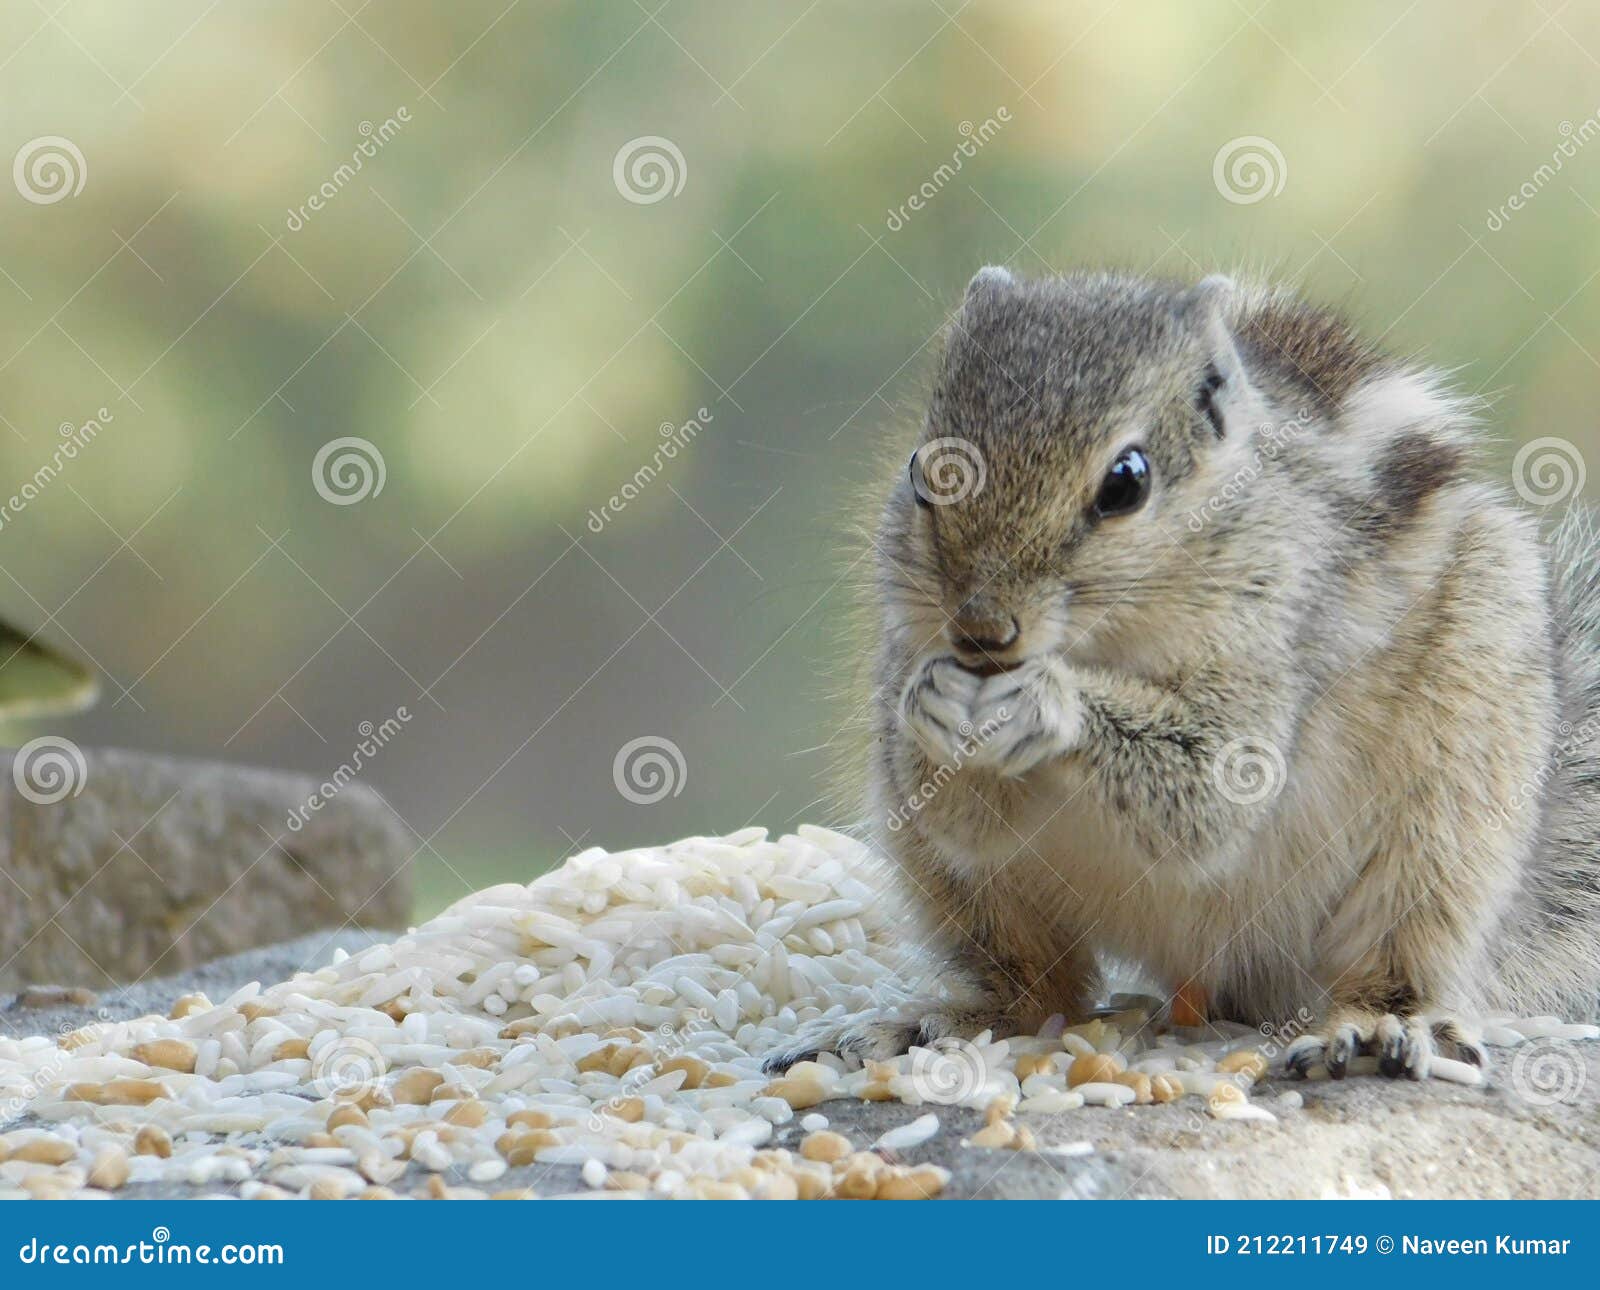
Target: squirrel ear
x=992, y=277
x=1224, y=392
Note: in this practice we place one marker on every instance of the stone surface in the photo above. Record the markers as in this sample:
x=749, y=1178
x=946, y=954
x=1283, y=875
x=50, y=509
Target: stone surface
x=151, y=865
x=1359, y=1138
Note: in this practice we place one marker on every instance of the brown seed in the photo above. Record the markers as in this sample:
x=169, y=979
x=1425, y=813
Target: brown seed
x=1248, y=1061
x=1095, y=1068
x=516, y=1193
x=813, y=1183
x=152, y=1140
x=1024, y=1141
x=478, y=1058
x=599, y=1059
x=1034, y=1064
x=521, y=1148
x=695, y=1070
x=44, y=1151
x=1189, y=1005
x=632, y=1034
x=169, y=1054
x=825, y=1145
x=326, y=1189
x=344, y=1114
x=902, y=1184
x=520, y=1026
x=451, y=1093
x=856, y=1184
x=255, y=1009
x=1139, y=1082
x=291, y=1048
x=75, y=1039
x=471, y=1113
x=529, y=1119
x=321, y=1140
x=1224, y=1093
x=630, y=1109
x=376, y=1193
x=415, y=1086
x=437, y=1190
x=720, y=1079
x=877, y=1092
x=119, y=1092
x=999, y=1134
x=55, y=996
x=1164, y=1088
x=998, y=1109
x=798, y=1093
x=626, y=1180
x=188, y=1005
x=632, y=1055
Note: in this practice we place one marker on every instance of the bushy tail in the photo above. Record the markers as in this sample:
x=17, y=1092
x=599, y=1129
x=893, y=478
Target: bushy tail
x=1552, y=961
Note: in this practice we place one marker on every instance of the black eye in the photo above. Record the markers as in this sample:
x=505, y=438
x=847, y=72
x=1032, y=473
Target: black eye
x=914, y=475
x=1126, y=485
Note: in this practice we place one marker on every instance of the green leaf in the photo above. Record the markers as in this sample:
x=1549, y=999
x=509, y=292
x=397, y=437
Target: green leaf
x=37, y=681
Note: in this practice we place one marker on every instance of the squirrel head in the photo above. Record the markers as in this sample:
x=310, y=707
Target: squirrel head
x=1074, y=426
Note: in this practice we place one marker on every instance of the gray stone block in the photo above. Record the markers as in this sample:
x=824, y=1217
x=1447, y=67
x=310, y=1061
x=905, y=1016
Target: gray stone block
x=123, y=864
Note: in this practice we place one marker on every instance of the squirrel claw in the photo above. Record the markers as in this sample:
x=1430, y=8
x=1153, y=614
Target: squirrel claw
x=1404, y=1045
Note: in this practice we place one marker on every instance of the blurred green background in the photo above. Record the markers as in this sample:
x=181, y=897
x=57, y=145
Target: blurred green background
x=509, y=314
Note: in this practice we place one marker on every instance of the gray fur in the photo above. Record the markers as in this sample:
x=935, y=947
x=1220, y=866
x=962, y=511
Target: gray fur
x=1317, y=573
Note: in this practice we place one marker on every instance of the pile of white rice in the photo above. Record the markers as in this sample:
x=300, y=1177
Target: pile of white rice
x=612, y=1015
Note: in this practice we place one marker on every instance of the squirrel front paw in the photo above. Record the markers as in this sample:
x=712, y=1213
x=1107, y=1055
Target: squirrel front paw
x=1024, y=716
x=936, y=706
x=1404, y=1044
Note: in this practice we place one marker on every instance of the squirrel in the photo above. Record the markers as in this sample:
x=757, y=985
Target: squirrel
x=1201, y=647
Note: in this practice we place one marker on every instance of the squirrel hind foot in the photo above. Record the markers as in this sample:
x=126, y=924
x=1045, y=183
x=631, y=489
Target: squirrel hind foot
x=1403, y=1045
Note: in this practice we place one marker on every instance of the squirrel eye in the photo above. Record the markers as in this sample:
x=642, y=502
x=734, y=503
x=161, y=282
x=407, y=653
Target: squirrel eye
x=916, y=483
x=1125, y=486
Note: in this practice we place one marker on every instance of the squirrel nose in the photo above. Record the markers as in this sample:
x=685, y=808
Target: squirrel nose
x=984, y=632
